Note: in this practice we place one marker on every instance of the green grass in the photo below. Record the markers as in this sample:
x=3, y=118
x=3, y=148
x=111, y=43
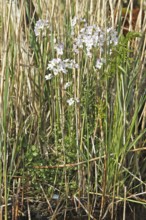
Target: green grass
x=93, y=149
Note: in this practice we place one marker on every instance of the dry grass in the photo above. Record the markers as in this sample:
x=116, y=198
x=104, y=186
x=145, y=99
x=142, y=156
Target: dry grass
x=92, y=154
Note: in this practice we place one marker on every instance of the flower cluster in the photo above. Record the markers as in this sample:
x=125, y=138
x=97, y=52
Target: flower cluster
x=41, y=27
x=57, y=65
x=92, y=36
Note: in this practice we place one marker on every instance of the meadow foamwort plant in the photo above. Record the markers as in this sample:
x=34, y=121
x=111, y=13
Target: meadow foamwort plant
x=87, y=38
x=90, y=37
x=79, y=132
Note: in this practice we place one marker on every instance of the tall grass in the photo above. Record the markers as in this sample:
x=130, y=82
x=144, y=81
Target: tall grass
x=89, y=154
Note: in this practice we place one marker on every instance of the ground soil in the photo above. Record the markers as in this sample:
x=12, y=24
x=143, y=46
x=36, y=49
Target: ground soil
x=41, y=211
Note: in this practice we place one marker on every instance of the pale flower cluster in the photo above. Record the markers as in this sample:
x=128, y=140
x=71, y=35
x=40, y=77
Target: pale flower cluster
x=57, y=65
x=92, y=36
x=41, y=27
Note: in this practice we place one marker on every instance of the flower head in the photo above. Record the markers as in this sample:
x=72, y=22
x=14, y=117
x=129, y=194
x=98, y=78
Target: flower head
x=57, y=65
x=71, y=101
x=99, y=63
x=89, y=37
x=68, y=84
x=112, y=36
x=92, y=36
x=49, y=76
x=59, y=48
x=40, y=27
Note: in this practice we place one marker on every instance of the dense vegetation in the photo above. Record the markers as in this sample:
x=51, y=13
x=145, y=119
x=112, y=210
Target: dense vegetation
x=72, y=109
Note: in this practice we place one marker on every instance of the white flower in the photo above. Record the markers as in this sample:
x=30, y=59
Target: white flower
x=68, y=84
x=40, y=27
x=70, y=101
x=112, y=36
x=56, y=71
x=49, y=76
x=99, y=64
x=59, y=48
x=82, y=30
x=109, y=29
